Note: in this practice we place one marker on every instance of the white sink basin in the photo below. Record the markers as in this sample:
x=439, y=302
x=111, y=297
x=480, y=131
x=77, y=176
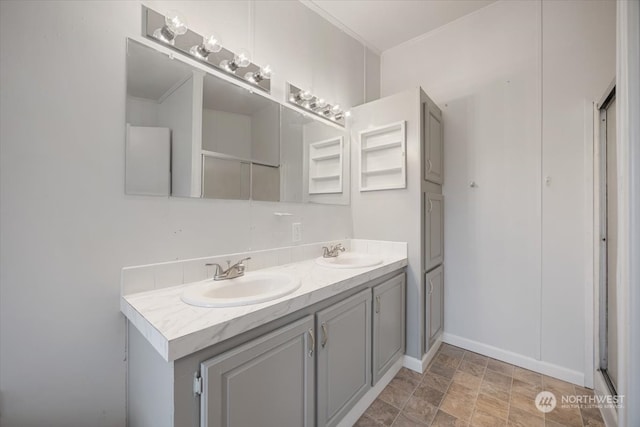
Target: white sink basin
x=349, y=260
x=251, y=288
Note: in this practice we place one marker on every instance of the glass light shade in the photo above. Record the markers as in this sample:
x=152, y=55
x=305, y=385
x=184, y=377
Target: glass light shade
x=305, y=95
x=227, y=65
x=212, y=43
x=176, y=22
x=250, y=77
x=336, y=109
x=321, y=103
x=242, y=58
x=265, y=72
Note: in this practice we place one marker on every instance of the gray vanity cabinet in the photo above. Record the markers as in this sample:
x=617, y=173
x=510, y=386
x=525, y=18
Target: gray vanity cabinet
x=388, y=325
x=434, y=281
x=344, y=357
x=267, y=382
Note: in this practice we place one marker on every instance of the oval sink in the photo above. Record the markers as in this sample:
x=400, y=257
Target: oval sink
x=349, y=260
x=251, y=288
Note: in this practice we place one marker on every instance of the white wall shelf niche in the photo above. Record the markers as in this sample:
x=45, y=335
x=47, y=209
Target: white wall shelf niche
x=325, y=166
x=382, y=157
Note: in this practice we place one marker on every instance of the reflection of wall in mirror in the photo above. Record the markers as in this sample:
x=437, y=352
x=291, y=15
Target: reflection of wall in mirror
x=291, y=152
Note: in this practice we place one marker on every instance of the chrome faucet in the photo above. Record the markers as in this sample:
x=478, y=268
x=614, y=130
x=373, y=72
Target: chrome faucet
x=333, y=252
x=232, y=271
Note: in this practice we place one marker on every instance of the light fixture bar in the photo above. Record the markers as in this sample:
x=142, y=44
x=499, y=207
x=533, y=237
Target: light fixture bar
x=206, y=50
x=315, y=105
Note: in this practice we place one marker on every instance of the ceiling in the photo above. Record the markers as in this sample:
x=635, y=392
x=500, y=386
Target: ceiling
x=383, y=24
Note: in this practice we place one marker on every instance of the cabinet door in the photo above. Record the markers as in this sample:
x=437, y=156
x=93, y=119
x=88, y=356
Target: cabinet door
x=388, y=324
x=344, y=356
x=268, y=382
x=433, y=230
x=434, y=281
x=433, y=143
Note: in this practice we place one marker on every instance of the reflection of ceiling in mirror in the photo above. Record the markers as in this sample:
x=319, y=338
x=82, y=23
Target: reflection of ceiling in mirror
x=222, y=95
x=151, y=74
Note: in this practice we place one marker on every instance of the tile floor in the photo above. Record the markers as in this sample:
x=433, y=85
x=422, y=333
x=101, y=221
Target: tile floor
x=461, y=388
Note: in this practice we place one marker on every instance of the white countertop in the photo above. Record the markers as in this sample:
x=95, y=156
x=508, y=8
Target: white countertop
x=176, y=329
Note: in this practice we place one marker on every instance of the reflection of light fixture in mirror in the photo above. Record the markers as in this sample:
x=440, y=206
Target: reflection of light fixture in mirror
x=174, y=25
x=258, y=76
x=240, y=60
x=210, y=44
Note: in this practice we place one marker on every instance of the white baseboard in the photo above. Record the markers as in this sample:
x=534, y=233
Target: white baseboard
x=356, y=412
x=420, y=365
x=526, y=362
x=609, y=415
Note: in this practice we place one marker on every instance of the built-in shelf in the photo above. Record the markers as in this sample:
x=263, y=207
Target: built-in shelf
x=326, y=157
x=382, y=146
x=382, y=157
x=382, y=171
x=325, y=166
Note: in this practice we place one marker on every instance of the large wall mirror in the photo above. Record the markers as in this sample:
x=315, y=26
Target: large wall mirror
x=191, y=133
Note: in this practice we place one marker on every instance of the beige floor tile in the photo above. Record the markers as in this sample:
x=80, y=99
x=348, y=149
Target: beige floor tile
x=436, y=381
x=583, y=391
x=519, y=418
x=569, y=417
x=493, y=406
x=404, y=421
x=484, y=419
x=476, y=358
x=458, y=404
x=450, y=350
x=381, y=412
x=365, y=421
x=499, y=392
x=461, y=389
x=406, y=380
x=429, y=394
x=394, y=396
x=471, y=368
x=591, y=417
x=524, y=403
x=443, y=419
x=501, y=367
x=442, y=370
x=527, y=376
x=447, y=360
x=526, y=389
x=420, y=410
x=498, y=379
x=557, y=386
x=470, y=381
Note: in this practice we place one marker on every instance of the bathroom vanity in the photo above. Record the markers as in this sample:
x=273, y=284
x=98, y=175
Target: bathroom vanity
x=304, y=359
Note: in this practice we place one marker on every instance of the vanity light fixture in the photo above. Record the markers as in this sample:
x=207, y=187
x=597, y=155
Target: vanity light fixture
x=316, y=105
x=257, y=77
x=209, y=45
x=208, y=50
x=175, y=24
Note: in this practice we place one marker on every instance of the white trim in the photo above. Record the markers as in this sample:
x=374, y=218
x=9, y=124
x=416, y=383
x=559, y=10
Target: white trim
x=526, y=362
x=589, y=282
x=366, y=400
x=418, y=365
x=609, y=415
x=341, y=25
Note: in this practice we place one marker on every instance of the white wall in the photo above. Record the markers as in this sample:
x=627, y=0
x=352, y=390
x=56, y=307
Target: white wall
x=513, y=93
x=67, y=226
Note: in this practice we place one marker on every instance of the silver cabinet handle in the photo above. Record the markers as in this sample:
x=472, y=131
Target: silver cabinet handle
x=430, y=286
x=430, y=165
x=430, y=205
x=377, y=303
x=313, y=342
x=325, y=336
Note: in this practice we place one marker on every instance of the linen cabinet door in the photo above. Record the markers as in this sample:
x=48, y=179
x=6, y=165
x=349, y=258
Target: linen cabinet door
x=433, y=143
x=344, y=357
x=433, y=230
x=267, y=382
x=388, y=324
x=434, y=281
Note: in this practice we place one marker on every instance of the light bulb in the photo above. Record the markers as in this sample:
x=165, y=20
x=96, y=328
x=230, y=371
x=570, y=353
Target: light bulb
x=229, y=66
x=242, y=58
x=265, y=72
x=336, y=109
x=347, y=114
x=212, y=43
x=175, y=24
x=250, y=77
x=321, y=103
x=306, y=104
x=305, y=95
